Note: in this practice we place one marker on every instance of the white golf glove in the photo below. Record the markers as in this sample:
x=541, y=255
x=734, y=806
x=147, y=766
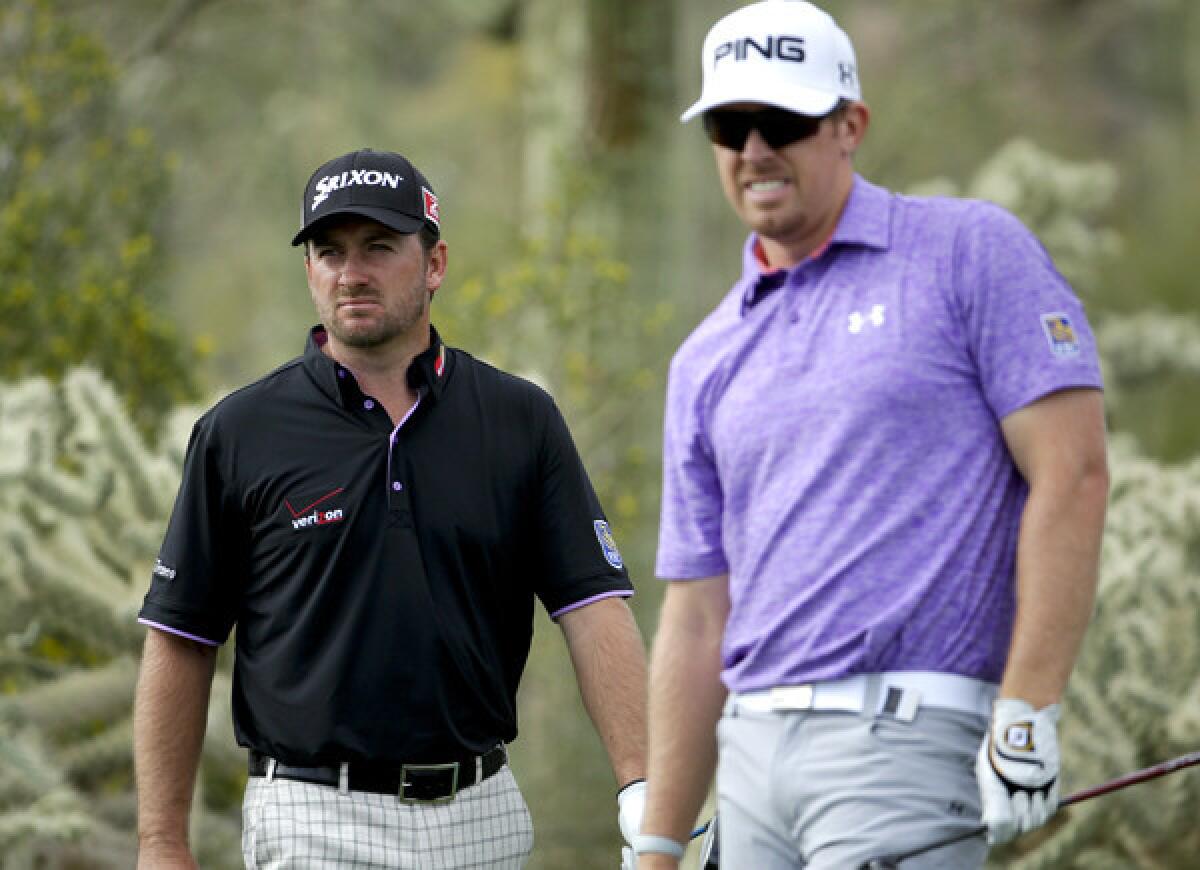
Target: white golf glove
x=1017, y=768
x=631, y=806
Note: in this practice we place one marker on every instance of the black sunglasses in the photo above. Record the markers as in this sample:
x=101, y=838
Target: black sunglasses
x=778, y=127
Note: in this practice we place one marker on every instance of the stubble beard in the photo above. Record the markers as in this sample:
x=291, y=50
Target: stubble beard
x=365, y=333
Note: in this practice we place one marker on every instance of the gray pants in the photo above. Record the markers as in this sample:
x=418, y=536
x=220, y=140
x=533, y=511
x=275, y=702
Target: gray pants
x=291, y=825
x=821, y=790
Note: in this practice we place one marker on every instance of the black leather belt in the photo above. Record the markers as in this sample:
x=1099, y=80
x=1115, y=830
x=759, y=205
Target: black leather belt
x=414, y=783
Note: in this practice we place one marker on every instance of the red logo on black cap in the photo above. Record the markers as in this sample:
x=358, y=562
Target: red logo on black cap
x=431, y=206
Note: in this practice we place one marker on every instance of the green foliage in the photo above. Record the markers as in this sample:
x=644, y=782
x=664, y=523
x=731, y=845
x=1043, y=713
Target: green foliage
x=80, y=203
x=83, y=505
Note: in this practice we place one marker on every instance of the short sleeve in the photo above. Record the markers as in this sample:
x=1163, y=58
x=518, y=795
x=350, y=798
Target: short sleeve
x=194, y=585
x=580, y=560
x=689, y=535
x=1028, y=330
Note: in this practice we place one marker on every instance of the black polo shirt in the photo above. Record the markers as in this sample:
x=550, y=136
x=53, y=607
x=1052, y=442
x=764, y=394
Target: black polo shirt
x=381, y=578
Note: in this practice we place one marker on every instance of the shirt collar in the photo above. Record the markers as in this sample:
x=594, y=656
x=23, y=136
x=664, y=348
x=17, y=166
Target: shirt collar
x=431, y=367
x=428, y=372
x=865, y=221
x=867, y=218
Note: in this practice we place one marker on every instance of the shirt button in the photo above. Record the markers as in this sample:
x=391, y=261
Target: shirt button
x=341, y=373
x=369, y=404
x=397, y=485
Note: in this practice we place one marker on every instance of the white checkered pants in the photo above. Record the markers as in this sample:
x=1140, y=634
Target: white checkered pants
x=293, y=825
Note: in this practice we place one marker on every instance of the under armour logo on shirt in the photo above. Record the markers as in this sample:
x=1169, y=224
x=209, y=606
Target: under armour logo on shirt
x=858, y=320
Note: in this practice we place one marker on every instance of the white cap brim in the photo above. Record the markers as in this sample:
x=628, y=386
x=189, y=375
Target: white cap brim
x=802, y=101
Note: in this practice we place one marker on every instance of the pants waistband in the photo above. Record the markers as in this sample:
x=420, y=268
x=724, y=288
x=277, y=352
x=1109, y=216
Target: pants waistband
x=896, y=693
x=411, y=783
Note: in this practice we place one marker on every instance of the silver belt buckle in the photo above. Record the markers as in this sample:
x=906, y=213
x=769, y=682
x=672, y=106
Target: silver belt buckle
x=792, y=697
x=428, y=768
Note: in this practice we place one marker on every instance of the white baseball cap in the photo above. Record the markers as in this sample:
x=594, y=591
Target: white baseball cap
x=785, y=53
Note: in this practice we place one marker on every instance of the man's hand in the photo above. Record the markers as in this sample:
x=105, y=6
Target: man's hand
x=1017, y=768
x=631, y=806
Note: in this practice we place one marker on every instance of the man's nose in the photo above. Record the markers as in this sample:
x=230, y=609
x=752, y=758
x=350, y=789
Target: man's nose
x=352, y=273
x=755, y=145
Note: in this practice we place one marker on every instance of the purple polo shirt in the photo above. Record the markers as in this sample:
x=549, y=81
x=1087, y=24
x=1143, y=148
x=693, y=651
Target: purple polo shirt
x=832, y=441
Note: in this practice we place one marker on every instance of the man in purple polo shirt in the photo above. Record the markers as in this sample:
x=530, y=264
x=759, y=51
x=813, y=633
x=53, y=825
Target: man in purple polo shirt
x=883, y=496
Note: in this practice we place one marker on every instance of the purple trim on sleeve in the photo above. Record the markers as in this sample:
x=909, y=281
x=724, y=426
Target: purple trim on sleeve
x=621, y=593
x=170, y=630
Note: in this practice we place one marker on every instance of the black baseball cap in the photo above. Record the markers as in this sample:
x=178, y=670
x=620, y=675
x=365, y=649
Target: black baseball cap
x=380, y=185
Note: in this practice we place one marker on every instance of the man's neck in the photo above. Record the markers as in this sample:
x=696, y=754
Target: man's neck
x=785, y=253
x=382, y=371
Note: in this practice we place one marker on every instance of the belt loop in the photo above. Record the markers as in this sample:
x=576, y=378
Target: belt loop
x=271, y=763
x=344, y=778
x=872, y=702
x=901, y=703
x=987, y=697
x=478, y=768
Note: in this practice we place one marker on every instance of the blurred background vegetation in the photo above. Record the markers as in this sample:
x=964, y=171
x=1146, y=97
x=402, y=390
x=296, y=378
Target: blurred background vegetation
x=152, y=155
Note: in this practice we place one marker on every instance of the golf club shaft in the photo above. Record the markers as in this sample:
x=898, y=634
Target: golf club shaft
x=1147, y=773
x=1192, y=758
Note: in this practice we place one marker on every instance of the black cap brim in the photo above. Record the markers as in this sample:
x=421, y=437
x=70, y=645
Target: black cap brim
x=401, y=223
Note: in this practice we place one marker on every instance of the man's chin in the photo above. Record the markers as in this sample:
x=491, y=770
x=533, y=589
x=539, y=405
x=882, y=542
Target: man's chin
x=361, y=338
x=769, y=224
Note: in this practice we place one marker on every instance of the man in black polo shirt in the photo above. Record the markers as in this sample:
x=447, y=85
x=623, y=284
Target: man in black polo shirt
x=376, y=517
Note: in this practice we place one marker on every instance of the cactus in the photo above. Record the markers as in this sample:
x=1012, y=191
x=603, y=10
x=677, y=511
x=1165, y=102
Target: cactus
x=83, y=504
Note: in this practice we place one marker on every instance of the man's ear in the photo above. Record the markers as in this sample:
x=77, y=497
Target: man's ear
x=435, y=267
x=852, y=126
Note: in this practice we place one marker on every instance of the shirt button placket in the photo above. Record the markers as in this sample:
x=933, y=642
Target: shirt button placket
x=398, y=502
x=797, y=299
x=807, y=283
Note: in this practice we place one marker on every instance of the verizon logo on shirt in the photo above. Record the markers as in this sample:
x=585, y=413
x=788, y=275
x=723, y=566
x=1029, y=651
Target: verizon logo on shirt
x=317, y=512
x=318, y=518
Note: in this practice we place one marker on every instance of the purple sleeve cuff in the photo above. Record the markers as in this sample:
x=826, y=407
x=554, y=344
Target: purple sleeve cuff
x=176, y=631
x=619, y=593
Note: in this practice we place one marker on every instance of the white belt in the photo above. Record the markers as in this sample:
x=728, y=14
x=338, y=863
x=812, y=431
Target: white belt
x=896, y=693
